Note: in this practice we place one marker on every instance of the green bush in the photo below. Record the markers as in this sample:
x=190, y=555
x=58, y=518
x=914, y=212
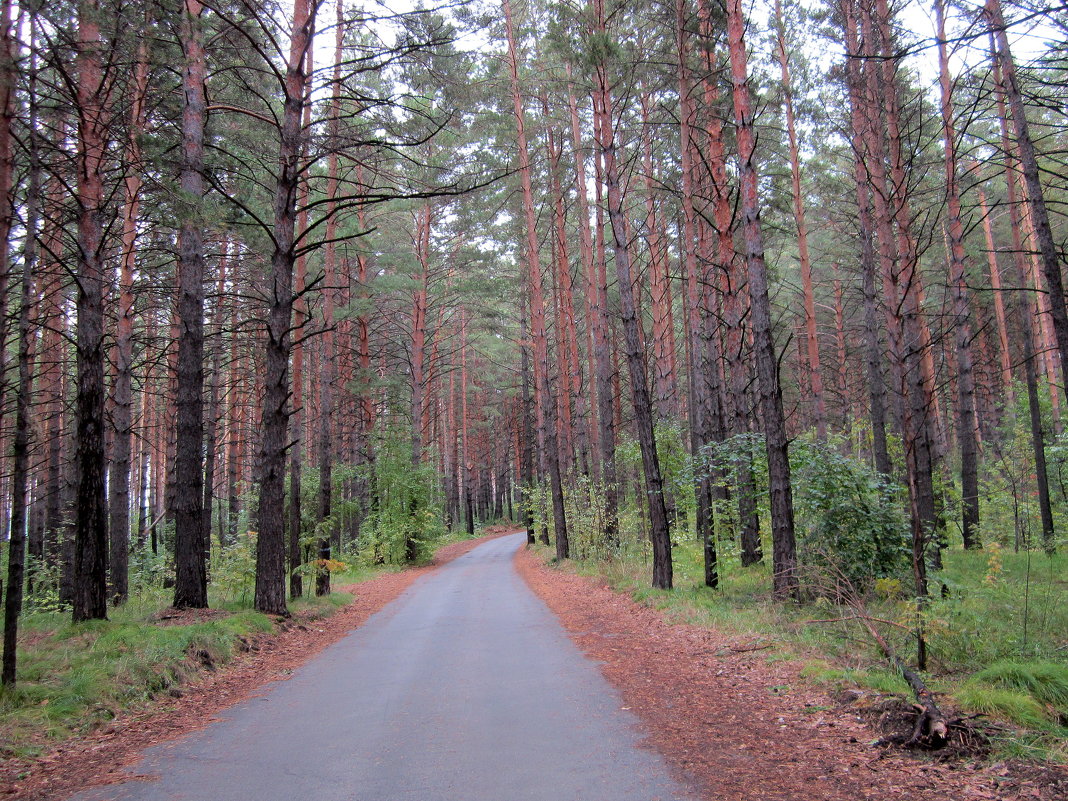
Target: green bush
x=848, y=516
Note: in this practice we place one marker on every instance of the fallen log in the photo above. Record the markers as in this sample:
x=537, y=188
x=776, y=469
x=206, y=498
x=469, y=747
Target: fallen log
x=931, y=730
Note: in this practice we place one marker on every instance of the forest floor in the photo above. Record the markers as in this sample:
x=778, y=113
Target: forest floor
x=99, y=757
x=740, y=719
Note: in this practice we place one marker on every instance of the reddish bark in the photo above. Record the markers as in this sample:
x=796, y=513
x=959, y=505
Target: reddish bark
x=812, y=353
x=969, y=447
x=537, y=299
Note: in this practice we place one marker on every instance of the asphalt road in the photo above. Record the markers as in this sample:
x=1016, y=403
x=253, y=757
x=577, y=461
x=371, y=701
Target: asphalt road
x=465, y=688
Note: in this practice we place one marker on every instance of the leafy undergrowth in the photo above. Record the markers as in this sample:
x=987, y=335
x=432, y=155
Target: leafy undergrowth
x=997, y=637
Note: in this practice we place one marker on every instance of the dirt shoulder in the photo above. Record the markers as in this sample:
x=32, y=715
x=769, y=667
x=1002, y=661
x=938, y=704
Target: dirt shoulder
x=100, y=758
x=747, y=727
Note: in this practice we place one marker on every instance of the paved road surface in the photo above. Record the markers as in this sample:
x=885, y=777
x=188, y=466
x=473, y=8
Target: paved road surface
x=465, y=688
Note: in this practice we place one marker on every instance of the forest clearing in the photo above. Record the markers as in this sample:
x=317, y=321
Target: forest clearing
x=752, y=312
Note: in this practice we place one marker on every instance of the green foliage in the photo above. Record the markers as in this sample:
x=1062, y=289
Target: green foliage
x=847, y=516
x=233, y=571
x=409, y=510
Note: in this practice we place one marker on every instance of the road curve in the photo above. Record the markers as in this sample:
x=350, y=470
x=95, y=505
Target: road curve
x=465, y=688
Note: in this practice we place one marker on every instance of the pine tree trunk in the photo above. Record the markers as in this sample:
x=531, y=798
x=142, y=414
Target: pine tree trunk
x=699, y=385
x=639, y=382
x=537, y=301
x=784, y=557
x=326, y=402
x=270, y=593
x=191, y=582
x=812, y=353
x=1047, y=248
x=122, y=417
x=91, y=526
x=969, y=447
x=20, y=450
x=865, y=171
x=1024, y=310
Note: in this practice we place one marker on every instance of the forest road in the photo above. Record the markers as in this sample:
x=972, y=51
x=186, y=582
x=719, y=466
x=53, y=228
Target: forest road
x=465, y=688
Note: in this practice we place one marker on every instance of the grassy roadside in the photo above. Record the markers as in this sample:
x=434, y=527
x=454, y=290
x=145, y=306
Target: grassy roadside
x=998, y=641
x=73, y=678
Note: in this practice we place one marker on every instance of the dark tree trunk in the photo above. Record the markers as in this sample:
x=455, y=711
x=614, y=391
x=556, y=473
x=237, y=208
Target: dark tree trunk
x=20, y=451
x=776, y=442
x=91, y=518
x=270, y=594
x=547, y=420
x=191, y=582
x=639, y=382
x=872, y=347
x=527, y=461
x=1047, y=247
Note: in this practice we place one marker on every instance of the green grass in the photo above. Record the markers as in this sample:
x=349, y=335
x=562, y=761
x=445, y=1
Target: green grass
x=72, y=677
x=998, y=641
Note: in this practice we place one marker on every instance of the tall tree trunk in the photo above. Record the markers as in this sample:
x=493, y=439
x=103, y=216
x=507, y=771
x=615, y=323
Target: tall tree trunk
x=639, y=381
x=866, y=171
x=969, y=447
x=537, y=300
x=300, y=412
x=270, y=593
x=812, y=352
x=1047, y=248
x=122, y=417
x=91, y=519
x=699, y=366
x=784, y=557
x=326, y=411
x=1026, y=312
x=191, y=581
x=20, y=451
